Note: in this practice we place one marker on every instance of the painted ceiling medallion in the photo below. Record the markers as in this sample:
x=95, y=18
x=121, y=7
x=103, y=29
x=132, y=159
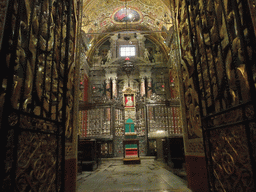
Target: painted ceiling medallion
x=123, y=15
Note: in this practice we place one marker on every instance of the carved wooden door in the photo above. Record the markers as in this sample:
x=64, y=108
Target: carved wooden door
x=218, y=67
x=36, y=98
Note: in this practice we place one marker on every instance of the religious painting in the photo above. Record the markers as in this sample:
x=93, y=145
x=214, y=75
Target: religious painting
x=129, y=100
x=124, y=15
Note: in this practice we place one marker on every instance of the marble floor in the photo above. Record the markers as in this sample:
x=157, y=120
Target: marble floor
x=114, y=176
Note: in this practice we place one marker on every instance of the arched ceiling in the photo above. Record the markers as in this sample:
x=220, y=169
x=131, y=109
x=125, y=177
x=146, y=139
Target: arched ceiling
x=101, y=18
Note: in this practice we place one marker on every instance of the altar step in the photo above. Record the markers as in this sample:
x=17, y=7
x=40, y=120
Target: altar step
x=131, y=160
x=121, y=158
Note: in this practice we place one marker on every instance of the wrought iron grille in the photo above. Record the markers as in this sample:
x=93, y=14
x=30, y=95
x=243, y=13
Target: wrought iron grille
x=158, y=120
x=219, y=57
x=102, y=121
x=36, y=95
x=140, y=123
x=99, y=122
x=119, y=122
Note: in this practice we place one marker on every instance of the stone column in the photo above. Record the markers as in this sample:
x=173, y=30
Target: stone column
x=114, y=88
x=108, y=93
x=149, y=80
x=142, y=86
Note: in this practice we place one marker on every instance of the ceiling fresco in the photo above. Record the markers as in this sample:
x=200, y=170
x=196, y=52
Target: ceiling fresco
x=109, y=16
x=123, y=15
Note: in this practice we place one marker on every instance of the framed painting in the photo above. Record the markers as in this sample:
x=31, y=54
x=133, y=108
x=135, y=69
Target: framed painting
x=129, y=100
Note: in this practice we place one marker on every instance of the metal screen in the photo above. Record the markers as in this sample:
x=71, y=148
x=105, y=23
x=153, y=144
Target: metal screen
x=37, y=71
x=218, y=50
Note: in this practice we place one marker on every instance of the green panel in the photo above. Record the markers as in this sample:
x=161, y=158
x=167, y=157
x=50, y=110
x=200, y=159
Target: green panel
x=129, y=120
x=131, y=146
x=132, y=127
x=130, y=136
x=127, y=128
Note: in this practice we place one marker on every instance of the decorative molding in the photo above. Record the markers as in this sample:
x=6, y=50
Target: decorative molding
x=195, y=147
x=102, y=100
x=155, y=98
x=128, y=90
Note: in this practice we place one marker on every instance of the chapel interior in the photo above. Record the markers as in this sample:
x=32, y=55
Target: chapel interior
x=84, y=81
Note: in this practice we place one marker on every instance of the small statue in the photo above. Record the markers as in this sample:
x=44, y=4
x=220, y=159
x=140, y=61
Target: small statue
x=109, y=56
x=146, y=54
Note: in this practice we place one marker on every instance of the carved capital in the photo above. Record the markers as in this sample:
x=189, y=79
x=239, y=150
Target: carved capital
x=149, y=79
x=114, y=79
x=142, y=79
x=107, y=81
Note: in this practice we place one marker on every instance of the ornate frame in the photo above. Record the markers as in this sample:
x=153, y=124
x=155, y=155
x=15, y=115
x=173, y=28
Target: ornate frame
x=129, y=92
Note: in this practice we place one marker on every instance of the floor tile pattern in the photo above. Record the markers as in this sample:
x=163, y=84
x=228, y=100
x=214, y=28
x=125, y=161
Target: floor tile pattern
x=114, y=176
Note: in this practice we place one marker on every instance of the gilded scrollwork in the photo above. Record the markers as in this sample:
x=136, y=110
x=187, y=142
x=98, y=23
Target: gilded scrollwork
x=36, y=162
x=226, y=118
x=192, y=110
x=36, y=51
x=249, y=112
x=13, y=119
x=214, y=66
x=230, y=158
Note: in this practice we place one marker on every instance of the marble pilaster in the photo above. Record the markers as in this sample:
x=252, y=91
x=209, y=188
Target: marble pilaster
x=142, y=86
x=108, y=93
x=114, y=88
x=149, y=91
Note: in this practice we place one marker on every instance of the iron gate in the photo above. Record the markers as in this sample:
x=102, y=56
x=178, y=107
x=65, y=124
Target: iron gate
x=220, y=57
x=37, y=67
